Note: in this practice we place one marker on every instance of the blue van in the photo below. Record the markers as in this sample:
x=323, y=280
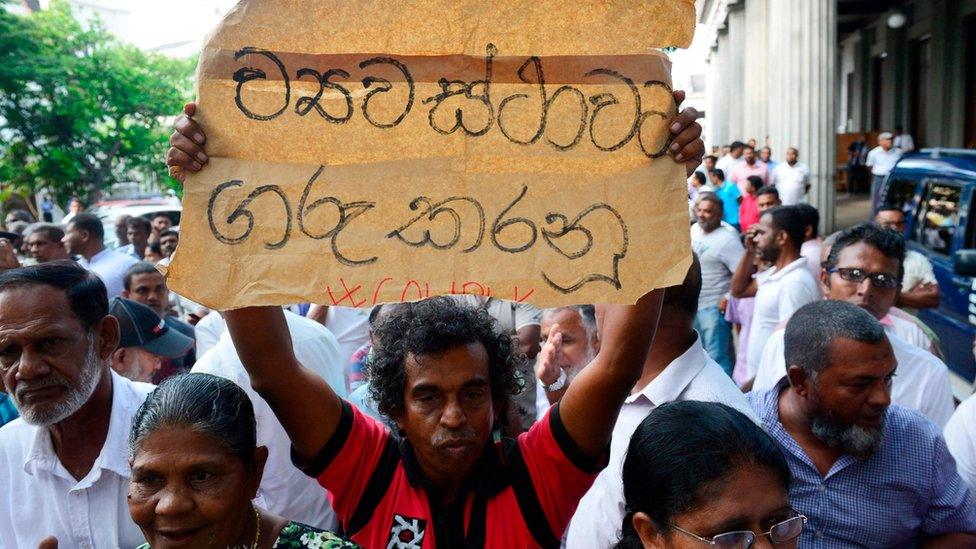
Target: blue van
x=935, y=188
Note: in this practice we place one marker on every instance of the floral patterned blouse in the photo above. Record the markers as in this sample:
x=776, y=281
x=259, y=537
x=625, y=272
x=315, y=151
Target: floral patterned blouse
x=296, y=535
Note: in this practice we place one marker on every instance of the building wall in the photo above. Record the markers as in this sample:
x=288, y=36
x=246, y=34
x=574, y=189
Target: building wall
x=774, y=79
x=942, y=25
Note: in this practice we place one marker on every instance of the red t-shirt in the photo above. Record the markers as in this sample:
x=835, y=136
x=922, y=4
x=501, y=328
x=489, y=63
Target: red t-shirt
x=523, y=492
x=748, y=211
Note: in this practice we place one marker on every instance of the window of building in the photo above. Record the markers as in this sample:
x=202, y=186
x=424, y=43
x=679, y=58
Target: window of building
x=938, y=216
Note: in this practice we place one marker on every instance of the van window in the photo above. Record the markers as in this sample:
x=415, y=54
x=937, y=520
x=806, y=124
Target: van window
x=938, y=216
x=901, y=194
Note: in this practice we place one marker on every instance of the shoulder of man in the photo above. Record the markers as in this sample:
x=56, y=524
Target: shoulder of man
x=912, y=426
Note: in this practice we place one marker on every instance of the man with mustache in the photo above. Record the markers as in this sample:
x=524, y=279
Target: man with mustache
x=781, y=290
x=865, y=472
x=63, y=464
x=864, y=267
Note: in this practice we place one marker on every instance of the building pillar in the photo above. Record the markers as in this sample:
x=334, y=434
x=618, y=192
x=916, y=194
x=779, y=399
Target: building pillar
x=755, y=71
x=736, y=72
x=802, y=88
x=718, y=87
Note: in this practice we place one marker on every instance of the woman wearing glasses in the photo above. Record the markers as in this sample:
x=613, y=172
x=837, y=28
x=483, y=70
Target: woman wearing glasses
x=702, y=473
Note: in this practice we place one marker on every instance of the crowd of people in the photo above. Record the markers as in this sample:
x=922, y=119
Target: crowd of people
x=783, y=394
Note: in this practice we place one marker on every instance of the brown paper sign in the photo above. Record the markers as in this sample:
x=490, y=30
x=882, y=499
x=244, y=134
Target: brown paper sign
x=367, y=152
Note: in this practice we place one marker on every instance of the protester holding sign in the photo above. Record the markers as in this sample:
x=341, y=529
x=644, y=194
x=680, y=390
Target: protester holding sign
x=440, y=478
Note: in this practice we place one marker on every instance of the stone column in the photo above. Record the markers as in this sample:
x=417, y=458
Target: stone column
x=802, y=87
x=755, y=70
x=735, y=72
x=718, y=89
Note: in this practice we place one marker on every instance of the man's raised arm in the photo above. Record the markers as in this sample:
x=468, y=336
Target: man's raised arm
x=590, y=406
x=303, y=402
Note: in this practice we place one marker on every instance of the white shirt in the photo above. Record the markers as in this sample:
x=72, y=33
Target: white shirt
x=904, y=143
x=40, y=498
x=881, y=161
x=921, y=380
x=908, y=331
x=812, y=250
x=791, y=182
x=284, y=489
x=691, y=376
x=129, y=249
x=719, y=253
x=960, y=437
x=918, y=270
x=350, y=326
x=727, y=164
x=779, y=295
x=208, y=332
x=110, y=266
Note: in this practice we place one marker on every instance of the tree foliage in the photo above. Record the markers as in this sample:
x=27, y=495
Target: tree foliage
x=78, y=109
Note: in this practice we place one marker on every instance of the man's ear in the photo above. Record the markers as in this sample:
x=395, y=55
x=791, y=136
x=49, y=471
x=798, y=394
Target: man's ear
x=106, y=333
x=824, y=281
x=125, y=294
x=799, y=380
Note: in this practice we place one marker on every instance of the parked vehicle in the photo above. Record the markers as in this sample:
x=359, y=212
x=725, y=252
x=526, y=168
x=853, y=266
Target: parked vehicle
x=935, y=188
x=109, y=211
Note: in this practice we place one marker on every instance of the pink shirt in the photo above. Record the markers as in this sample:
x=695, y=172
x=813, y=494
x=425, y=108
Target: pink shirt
x=743, y=170
x=748, y=211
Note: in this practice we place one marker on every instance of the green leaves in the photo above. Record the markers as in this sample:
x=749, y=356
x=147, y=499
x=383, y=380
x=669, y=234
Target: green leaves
x=80, y=110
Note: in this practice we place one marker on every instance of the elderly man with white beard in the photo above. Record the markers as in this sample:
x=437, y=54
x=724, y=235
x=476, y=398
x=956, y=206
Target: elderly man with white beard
x=570, y=342
x=64, y=462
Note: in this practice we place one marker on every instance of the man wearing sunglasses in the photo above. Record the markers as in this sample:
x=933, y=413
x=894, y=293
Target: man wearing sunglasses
x=866, y=473
x=864, y=268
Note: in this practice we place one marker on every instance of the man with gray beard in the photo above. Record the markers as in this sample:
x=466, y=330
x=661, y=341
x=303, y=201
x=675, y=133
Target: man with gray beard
x=866, y=473
x=569, y=342
x=63, y=464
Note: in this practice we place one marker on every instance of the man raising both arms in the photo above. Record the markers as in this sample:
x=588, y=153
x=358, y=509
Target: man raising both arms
x=444, y=378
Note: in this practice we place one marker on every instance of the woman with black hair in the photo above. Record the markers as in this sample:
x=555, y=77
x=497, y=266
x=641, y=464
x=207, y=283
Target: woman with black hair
x=196, y=467
x=700, y=473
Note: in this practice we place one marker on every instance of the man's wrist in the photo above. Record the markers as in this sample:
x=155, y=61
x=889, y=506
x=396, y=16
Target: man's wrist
x=556, y=385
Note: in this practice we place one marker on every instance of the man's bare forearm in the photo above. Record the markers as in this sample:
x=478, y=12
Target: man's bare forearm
x=923, y=296
x=302, y=401
x=590, y=406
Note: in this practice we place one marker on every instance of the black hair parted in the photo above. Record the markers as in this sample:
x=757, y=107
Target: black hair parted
x=790, y=220
x=431, y=327
x=891, y=244
x=682, y=452
x=90, y=224
x=86, y=293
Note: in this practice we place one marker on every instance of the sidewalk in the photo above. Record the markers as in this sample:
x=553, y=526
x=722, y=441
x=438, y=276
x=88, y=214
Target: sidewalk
x=851, y=210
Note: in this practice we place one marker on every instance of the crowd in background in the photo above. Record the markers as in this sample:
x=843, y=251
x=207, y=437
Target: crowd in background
x=782, y=393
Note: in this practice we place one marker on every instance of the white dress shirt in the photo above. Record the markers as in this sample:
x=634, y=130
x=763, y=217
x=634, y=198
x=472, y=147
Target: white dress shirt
x=881, y=161
x=904, y=143
x=691, y=376
x=110, y=266
x=208, y=331
x=918, y=270
x=791, y=182
x=40, y=498
x=960, y=437
x=779, y=295
x=921, y=380
x=350, y=326
x=285, y=490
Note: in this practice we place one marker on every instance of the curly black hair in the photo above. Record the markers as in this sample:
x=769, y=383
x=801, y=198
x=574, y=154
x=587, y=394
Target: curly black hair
x=431, y=327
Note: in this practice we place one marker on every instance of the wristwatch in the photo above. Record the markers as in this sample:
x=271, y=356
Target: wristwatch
x=558, y=384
